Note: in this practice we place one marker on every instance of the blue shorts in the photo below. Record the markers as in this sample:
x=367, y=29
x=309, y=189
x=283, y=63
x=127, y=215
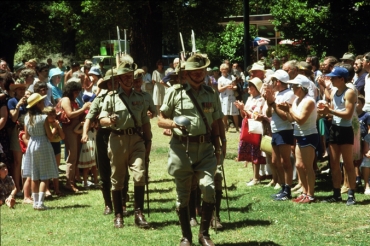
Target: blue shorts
x=309, y=140
x=56, y=147
x=283, y=137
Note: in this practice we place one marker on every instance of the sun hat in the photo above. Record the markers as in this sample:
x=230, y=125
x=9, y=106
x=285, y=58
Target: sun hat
x=258, y=66
x=19, y=66
x=138, y=73
x=302, y=65
x=54, y=71
x=257, y=82
x=348, y=56
x=108, y=75
x=215, y=69
x=95, y=71
x=196, y=62
x=338, y=72
x=281, y=75
x=300, y=80
x=34, y=99
x=18, y=83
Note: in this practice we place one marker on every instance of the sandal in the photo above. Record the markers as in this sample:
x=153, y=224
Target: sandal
x=27, y=201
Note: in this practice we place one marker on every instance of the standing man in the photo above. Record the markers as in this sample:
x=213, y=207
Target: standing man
x=75, y=68
x=194, y=148
x=282, y=132
x=366, y=66
x=341, y=137
x=360, y=75
x=129, y=142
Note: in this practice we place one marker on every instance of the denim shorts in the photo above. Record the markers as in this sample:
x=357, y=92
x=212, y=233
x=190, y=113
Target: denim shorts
x=283, y=137
x=309, y=140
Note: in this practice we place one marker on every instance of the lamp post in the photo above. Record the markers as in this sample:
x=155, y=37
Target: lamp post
x=246, y=33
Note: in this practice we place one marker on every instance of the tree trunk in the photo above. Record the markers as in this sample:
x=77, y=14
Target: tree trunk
x=7, y=50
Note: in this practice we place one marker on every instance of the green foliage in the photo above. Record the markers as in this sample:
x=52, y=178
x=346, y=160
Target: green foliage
x=232, y=37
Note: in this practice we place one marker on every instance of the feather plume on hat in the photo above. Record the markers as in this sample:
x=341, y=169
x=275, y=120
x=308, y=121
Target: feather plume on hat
x=127, y=62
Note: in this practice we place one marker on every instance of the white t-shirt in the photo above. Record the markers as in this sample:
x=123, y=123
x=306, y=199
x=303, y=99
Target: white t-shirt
x=366, y=107
x=277, y=124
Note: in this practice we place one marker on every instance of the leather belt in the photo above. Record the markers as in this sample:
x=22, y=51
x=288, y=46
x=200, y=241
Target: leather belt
x=194, y=139
x=128, y=131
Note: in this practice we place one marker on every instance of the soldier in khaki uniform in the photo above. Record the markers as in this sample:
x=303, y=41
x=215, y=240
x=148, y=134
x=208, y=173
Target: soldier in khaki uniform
x=193, y=153
x=102, y=136
x=129, y=143
x=138, y=82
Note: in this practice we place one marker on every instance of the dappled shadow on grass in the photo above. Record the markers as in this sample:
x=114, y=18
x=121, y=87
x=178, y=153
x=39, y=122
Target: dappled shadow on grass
x=231, y=187
x=232, y=198
x=232, y=225
x=155, y=190
x=162, y=200
x=252, y=243
x=163, y=224
x=70, y=206
x=244, y=209
x=161, y=181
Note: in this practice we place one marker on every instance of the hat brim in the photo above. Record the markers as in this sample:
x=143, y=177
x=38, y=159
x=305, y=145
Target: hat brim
x=13, y=87
x=208, y=62
x=264, y=71
x=35, y=102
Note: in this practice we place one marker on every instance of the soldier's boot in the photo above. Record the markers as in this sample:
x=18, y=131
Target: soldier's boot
x=198, y=201
x=117, y=205
x=107, y=201
x=192, y=211
x=207, y=211
x=215, y=222
x=187, y=236
x=139, y=206
x=125, y=195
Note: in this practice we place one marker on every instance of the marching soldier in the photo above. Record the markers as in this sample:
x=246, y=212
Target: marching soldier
x=129, y=142
x=192, y=111
x=107, y=85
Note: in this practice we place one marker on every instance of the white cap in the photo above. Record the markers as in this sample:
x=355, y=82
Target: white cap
x=281, y=75
x=300, y=80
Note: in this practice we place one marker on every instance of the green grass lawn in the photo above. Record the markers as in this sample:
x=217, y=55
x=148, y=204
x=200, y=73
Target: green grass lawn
x=77, y=219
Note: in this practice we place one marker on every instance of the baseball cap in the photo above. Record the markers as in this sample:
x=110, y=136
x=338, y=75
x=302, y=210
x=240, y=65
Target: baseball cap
x=338, y=72
x=95, y=71
x=300, y=80
x=281, y=75
x=348, y=56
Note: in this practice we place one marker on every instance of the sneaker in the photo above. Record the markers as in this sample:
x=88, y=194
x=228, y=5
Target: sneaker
x=332, y=199
x=351, y=201
x=367, y=191
x=358, y=181
x=284, y=196
x=307, y=199
x=253, y=182
x=299, y=198
x=41, y=207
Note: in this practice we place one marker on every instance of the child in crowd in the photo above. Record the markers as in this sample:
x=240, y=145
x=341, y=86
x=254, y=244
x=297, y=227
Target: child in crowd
x=39, y=160
x=87, y=154
x=7, y=187
x=58, y=135
x=23, y=142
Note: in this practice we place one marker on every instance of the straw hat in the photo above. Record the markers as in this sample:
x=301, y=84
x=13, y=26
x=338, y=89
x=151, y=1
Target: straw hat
x=108, y=76
x=258, y=66
x=257, y=82
x=18, y=84
x=34, y=99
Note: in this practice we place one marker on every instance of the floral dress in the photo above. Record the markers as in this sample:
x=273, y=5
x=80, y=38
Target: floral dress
x=227, y=97
x=249, y=152
x=87, y=155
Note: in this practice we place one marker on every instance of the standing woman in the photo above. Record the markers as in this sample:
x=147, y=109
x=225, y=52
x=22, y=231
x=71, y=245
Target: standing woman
x=227, y=97
x=249, y=152
x=214, y=78
x=55, y=75
x=39, y=159
x=71, y=141
x=159, y=85
x=17, y=112
x=303, y=112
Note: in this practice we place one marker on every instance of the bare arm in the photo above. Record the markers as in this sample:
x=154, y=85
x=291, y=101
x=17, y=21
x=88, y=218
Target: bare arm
x=85, y=129
x=166, y=123
x=350, y=104
x=3, y=116
x=66, y=105
x=14, y=113
x=302, y=117
x=48, y=130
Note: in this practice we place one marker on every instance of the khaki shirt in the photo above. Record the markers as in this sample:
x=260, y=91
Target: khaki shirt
x=149, y=104
x=114, y=104
x=207, y=100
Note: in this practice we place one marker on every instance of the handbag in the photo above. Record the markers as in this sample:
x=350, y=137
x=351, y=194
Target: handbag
x=266, y=144
x=248, y=137
x=255, y=126
x=61, y=114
